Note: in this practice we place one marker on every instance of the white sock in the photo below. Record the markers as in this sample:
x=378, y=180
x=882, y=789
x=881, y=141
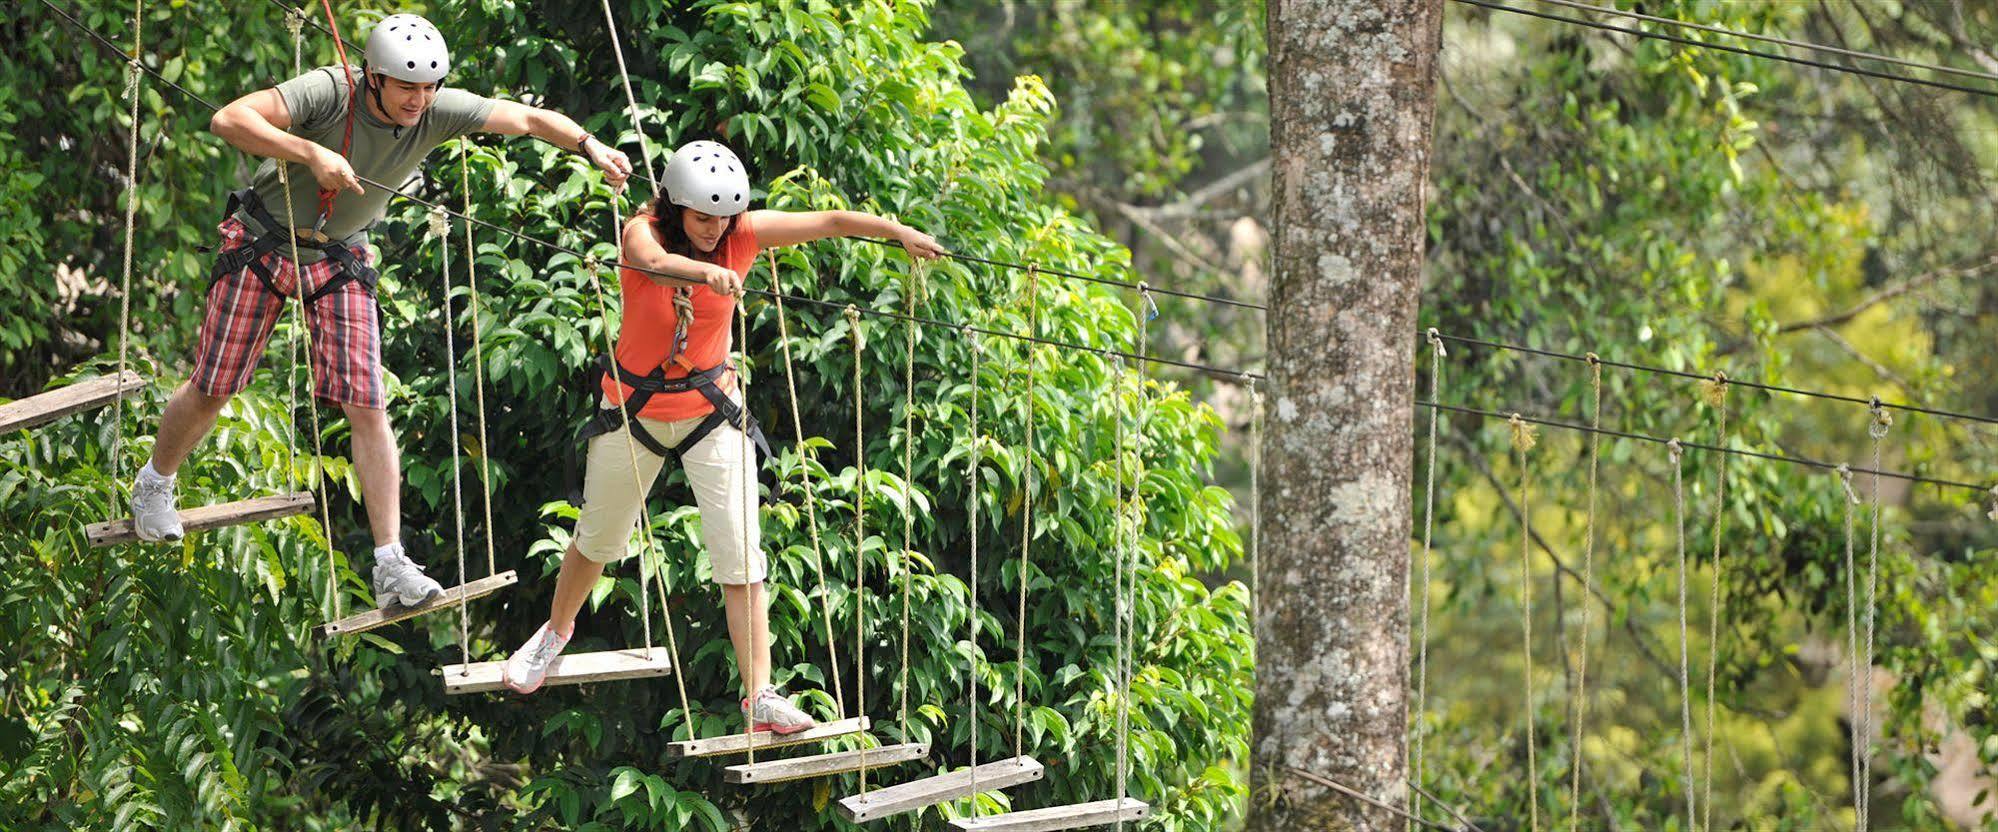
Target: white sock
x=394, y=549
x=151, y=473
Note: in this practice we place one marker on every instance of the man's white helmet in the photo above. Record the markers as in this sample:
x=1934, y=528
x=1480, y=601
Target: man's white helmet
x=708, y=178
x=407, y=47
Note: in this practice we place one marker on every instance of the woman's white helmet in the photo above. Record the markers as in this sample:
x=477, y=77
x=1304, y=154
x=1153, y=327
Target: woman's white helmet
x=407, y=47
x=708, y=178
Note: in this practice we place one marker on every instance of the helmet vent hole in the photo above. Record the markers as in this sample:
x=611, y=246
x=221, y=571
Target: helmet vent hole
x=412, y=64
x=433, y=64
x=716, y=198
x=711, y=168
x=409, y=37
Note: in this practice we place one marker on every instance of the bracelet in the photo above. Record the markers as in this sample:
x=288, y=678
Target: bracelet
x=583, y=141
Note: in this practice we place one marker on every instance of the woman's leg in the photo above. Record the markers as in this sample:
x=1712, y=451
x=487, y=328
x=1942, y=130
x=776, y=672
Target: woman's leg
x=579, y=574
x=749, y=630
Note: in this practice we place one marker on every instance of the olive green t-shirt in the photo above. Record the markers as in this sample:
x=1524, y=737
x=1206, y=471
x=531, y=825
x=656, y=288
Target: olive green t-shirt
x=318, y=103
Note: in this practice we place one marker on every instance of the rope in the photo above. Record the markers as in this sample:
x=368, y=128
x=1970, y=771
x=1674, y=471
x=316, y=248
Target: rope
x=807, y=456
x=478, y=358
x=631, y=100
x=1523, y=441
x=1854, y=662
x=750, y=514
x=1674, y=449
x=1126, y=545
x=294, y=22
x=1418, y=762
x=1774, y=56
x=1026, y=529
x=1794, y=460
x=1732, y=382
x=440, y=230
x=327, y=197
x=1255, y=522
x=917, y=269
x=859, y=538
x=1715, y=393
x=1877, y=430
x=974, y=497
x=1588, y=580
x=132, y=69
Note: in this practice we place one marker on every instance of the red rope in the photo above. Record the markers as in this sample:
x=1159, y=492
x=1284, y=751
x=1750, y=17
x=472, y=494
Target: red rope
x=326, y=197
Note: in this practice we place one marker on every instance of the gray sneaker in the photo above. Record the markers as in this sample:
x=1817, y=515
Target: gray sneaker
x=399, y=580
x=154, y=516
x=771, y=711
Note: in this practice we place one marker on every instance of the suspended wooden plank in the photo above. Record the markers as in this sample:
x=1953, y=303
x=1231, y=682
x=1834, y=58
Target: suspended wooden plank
x=1073, y=816
x=825, y=765
x=739, y=743
x=42, y=408
x=568, y=669
x=371, y=619
x=203, y=518
x=931, y=791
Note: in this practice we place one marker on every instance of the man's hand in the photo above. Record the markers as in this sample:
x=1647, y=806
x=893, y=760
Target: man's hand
x=333, y=171
x=919, y=245
x=610, y=160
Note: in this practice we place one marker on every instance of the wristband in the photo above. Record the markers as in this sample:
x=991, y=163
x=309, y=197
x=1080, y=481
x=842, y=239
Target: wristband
x=583, y=141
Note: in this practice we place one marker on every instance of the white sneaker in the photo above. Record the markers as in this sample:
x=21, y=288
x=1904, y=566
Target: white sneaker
x=771, y=711
x=154, y=516
x=399, y=580
x=529, y=665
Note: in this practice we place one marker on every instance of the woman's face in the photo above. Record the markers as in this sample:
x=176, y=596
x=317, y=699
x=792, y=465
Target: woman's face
x=704, y=230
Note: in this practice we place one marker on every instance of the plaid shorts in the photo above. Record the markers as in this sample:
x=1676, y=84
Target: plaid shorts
x=242, y=312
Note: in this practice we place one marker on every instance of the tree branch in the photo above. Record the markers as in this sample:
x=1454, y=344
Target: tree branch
x=1887, y=294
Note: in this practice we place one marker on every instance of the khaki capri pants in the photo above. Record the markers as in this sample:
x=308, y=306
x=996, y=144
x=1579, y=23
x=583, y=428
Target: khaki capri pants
x=721, y=469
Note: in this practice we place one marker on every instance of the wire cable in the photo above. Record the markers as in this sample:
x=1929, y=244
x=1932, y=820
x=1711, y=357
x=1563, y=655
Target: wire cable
x=1774, y=56
x=1794, y=460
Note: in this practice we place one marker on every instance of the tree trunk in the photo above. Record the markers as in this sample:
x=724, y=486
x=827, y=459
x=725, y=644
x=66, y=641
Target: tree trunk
x=1351, y=104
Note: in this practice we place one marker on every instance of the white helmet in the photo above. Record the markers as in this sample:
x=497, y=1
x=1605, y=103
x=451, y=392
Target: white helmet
x=708, y=178
x=407, y=47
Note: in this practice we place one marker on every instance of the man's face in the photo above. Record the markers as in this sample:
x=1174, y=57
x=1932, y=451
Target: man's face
x=403, y=102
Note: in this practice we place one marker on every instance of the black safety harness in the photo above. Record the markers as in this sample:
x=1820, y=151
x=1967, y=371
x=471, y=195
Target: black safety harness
x=644, y=387
x=272, y=236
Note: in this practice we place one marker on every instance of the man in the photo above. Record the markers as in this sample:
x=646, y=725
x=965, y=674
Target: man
x=330, y=134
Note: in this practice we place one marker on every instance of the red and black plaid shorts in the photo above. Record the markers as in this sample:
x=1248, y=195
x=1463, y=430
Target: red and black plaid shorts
x=242, y=312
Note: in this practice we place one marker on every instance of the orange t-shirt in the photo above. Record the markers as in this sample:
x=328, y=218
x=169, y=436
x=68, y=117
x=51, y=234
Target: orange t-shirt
x=645, y=337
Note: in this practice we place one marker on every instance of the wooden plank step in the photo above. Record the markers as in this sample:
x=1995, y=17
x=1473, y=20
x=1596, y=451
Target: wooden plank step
x=371, y=619
x=825, y=765
x=739, y=743
x=930, y=791
x=567, y=669
x=42, y=408
x=1072, y=816
x=204, y=518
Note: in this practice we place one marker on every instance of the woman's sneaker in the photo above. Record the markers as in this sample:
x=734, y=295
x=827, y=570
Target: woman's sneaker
x=529, y=665
x=154, y=517
x=770, y=711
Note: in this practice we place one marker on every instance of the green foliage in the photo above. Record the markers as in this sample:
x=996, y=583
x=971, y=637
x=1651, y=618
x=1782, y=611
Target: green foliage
x=191, y=691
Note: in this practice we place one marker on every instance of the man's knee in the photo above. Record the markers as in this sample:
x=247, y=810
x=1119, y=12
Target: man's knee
x=366, y=418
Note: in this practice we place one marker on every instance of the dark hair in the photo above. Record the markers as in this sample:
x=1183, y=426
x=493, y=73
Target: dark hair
x=668, y=218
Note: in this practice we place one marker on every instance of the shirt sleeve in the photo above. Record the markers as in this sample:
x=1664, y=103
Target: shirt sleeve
x=313, y=99
x=459, y=112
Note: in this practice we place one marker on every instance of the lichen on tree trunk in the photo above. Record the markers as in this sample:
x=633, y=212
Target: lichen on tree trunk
x=1351, y=104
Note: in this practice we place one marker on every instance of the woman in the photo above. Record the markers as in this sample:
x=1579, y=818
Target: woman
x=699, y=237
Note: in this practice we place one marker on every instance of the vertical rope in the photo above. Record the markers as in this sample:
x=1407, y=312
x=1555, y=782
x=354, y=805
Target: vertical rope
x=440, y=230
x=1026, y=523
x=1715, y=392
x=1588, y=580
x=749, y=486
x=1418, y=761
x=1126, y=542
x=1255, y=523
x=1877, y=430
x=631, y=100
x=859, y=537
x=806, y=456
x=974, y=497
x=304, y=324
x=1522, y=442
x=478, y=354
x=1853, y=659
x=916, y=274
x=1677, y=453
x=131, y=222
x=294, y=22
